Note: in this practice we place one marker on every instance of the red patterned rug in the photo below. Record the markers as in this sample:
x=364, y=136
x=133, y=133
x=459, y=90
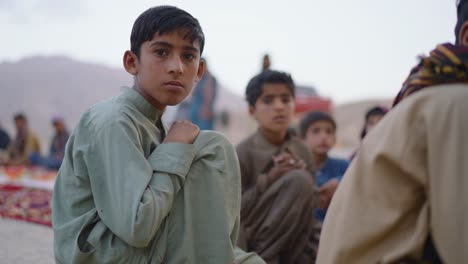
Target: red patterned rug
x=27, y=204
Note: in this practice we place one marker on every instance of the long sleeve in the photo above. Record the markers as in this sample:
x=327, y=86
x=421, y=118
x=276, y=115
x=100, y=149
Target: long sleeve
x=134, y=194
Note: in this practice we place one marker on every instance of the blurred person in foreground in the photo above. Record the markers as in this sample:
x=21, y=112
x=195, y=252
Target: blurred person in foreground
x=57, y=147
x=403, y=199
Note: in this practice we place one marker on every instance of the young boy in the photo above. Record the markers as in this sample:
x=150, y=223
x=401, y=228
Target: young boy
x=371, y=118
x=318, y=129
x=127, y=191
x=278, y=195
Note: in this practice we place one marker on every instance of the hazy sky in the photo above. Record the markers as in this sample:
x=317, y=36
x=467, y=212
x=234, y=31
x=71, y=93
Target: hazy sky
x=348, y=49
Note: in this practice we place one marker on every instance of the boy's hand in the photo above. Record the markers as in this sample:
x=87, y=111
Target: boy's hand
x=182, y=132
x=326, y=193
x=284, y=162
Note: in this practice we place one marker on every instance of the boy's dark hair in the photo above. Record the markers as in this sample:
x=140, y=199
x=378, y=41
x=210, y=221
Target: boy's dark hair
x=255, y=86
x=462, y=16
x=19, y=116
x=313, y=117
x=162, y=20
x=376, y=110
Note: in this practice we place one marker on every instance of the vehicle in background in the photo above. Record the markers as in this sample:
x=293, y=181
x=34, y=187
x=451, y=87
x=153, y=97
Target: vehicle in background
x=308, y=100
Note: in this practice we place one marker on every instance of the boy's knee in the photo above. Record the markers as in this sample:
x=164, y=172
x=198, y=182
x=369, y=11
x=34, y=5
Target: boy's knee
x=299, y=180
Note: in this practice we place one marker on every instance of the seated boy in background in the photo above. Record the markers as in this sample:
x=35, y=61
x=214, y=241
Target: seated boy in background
x=318, y=130
x=278, y=193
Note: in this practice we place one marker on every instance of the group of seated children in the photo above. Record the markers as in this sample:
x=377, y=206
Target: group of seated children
x=288, y=181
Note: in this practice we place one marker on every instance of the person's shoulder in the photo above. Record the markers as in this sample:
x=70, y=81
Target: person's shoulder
x=246, y=144
x=33, y=135
x=103, y=115
x=431, y=104
x=437, y=95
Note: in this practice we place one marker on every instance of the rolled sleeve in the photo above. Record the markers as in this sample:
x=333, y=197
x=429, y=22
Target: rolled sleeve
x=173, y=158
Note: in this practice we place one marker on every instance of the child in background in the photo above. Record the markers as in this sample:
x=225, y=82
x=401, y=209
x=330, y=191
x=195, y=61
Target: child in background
x=318, y=130
x=278, y=192
x=372, y=117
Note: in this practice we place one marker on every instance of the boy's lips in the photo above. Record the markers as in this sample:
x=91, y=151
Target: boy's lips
x=280, y=118
x=174, y=85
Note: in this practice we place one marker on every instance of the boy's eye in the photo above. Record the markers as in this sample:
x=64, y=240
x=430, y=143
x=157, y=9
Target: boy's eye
x=286, y=99
x=189, y=56
x=161, y=52
x=267, y=100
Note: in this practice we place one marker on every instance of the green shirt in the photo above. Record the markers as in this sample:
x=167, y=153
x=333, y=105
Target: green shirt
x=122, y=197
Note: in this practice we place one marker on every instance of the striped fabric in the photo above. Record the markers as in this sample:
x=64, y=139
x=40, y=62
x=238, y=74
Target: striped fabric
x=446, y=64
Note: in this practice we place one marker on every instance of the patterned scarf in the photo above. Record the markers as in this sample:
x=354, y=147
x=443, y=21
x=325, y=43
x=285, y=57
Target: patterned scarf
x=446, y=64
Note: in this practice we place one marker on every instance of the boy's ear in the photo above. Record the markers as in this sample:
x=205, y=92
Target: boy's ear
x=201, y=69
x=130, y=62
x=251, y=110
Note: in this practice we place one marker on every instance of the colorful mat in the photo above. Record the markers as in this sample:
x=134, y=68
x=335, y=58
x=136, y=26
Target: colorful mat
x=34, y=177
x=26, y=204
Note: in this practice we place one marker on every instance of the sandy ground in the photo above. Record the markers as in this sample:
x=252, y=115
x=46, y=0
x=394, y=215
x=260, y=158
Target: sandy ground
x=23, y=242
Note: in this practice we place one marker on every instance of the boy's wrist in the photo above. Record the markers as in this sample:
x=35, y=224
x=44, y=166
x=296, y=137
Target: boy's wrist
x=173, y=158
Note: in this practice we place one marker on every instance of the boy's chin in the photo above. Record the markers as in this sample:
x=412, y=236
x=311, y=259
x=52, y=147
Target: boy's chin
x=174, y=101
x=321, y=152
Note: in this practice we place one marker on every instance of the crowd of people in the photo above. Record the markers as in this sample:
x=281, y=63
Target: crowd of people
x=25, y=149
x=130, y=190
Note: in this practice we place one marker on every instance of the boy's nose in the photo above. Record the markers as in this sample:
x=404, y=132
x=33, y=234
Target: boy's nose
x=175, y=65
x=278, y=104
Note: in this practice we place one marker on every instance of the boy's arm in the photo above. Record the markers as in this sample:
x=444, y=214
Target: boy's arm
x=132, y=194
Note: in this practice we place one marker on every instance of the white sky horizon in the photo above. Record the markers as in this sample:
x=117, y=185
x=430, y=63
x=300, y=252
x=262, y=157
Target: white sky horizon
x=348, y=50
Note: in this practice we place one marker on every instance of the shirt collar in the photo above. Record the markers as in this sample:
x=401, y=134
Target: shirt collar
x=263, y=142
x=140, y=103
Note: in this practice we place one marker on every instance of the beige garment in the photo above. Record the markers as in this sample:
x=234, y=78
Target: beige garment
x=277, y=220
x=31, y=145
x=408, y=181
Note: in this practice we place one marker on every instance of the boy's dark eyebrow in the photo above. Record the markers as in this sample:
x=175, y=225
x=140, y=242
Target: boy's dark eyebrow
x=191, y=48
x=169, y=45
x=280, y=95
x=161, y=43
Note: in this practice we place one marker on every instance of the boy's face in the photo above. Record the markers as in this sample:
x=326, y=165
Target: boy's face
x=320, y=137
x=167, y=69
x=20, y=124
x=372, y=121
x=274, y=108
